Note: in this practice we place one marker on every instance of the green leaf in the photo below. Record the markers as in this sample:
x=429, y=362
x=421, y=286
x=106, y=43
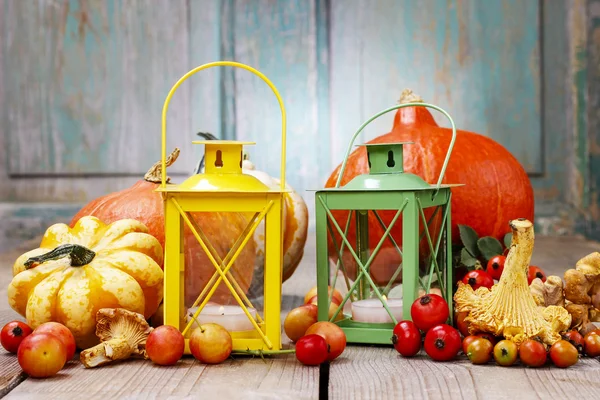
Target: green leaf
x=489, y=247
x=469, y=238
x=507, y=239
x=466, y=258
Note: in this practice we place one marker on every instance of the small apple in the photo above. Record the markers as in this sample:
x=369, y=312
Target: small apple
x=165, y=345
x=334, y=300
x=336, y=297
x=210, y=343
x=333, y=306
x=333, y=335
x=41, y=355
x=61, y=332
x=298, y=320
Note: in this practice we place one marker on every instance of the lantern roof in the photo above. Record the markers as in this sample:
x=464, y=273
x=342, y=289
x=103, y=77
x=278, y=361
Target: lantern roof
x=223, y=171
x=386, y=171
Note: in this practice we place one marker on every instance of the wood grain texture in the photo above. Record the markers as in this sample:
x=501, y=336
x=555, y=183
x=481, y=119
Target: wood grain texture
x=592, y=226
x=280, y=378
x=5, y=186
x=372, y=372
x=87, y=82
x=479, y=61
x=289, y=59
x=205, y=87
x=554, y=214
x=579, y=167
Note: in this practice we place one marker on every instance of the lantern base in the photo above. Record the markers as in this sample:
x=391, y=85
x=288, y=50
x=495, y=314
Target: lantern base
x=367, y=333
x=240, y=344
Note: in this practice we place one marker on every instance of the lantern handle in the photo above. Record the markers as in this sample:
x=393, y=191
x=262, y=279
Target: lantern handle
x=397, y=106
x=221, y=64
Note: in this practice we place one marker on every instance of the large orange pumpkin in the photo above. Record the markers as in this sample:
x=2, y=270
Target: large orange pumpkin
x=142, y=203
x=497, y=188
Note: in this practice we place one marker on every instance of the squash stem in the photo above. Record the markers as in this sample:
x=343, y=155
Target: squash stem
x=155, y=172
x=79, y=256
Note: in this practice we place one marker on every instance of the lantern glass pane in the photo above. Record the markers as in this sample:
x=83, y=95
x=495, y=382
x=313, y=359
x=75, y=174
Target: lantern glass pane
x=203, y=286
x=383, y=260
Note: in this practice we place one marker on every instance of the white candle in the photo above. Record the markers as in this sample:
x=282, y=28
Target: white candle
x=372, y=311
x=232, y=318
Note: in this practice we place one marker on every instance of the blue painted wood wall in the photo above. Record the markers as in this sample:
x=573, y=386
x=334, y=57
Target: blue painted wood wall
x=82, y=85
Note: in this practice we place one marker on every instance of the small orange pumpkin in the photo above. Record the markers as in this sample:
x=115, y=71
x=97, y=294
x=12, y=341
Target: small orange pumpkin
x=141, y=202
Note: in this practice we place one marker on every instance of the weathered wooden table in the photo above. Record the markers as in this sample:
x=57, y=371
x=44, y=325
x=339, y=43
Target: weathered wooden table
x=360, y=372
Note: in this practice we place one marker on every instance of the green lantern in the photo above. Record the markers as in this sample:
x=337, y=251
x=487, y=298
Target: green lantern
x=373, y=305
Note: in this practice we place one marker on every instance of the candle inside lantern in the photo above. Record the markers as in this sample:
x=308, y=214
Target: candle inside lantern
x=372, y=311
x=233, y=318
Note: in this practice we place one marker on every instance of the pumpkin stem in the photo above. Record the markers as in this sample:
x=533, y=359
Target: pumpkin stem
x=408, y=96
x=78, y=254
x=154, y=174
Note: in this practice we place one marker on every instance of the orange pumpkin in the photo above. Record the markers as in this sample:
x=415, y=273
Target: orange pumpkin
x=142, y=203
x=497, y=188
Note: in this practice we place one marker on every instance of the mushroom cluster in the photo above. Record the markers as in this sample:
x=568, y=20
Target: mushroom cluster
x=580, y=294
x=510, y=309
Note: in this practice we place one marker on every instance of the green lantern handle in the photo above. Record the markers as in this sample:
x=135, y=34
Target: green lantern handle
x=367, y=122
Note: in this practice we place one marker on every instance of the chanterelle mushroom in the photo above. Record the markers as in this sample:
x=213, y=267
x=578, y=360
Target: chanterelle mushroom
x=122, y=334
x=509, y=308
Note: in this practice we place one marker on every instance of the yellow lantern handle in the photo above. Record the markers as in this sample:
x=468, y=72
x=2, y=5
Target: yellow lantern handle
x=220, y=64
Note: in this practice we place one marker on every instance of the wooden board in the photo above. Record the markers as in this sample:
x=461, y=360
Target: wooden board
x=292, y=60
x=368, y=372
x=361, y=371
x=479, y=61
x=88, y=83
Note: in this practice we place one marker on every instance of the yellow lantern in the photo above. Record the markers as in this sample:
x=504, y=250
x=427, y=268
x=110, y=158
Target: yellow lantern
x=224, y=188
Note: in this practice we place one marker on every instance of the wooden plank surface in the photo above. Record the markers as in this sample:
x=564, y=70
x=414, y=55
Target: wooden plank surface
x=290, y=59
x=88, y=79
x=368, y=372
x=361, y=371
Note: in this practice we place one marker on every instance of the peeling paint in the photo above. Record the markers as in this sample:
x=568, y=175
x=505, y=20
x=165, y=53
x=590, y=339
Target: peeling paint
x=578, y=173
x=592, y=220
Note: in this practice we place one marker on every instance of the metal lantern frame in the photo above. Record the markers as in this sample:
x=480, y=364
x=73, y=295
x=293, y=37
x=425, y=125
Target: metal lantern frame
x=393, y=190
x=224, y=188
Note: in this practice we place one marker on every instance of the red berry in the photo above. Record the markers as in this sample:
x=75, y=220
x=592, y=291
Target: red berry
x=428, y=311
x=442, y=342
x=495, y=267
x=532, y=353
x=535, y=272
x=477, y=279
x=563, y=354
x=13, y=334
x=406, y=338
x=576, y=339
